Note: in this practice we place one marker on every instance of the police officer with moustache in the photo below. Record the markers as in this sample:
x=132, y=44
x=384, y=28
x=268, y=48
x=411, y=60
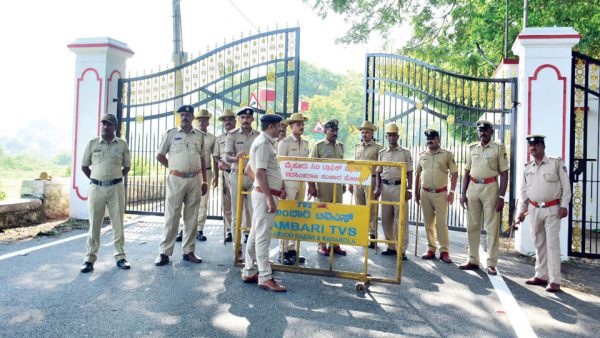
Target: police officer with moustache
x=109, y=159
x=268, y=188
x=293, y=146
x=367, y=150
x=388, y=181
x=546, y=190
x=228, y=120
x=237, y=145
x=431, y=191
x=282, y=133
x=482, y=197
x=184, y=147
x=328, y=148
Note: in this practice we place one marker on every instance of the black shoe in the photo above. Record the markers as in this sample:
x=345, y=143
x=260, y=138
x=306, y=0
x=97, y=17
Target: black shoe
x=123, y=264
x=87, y=267
x=179, y=237
x=404, y=258
x=229, y=238
x=287, y=259
x=371, y=244
x=389, y=252
x=245, y=238
x=200, y=236
x=301, y=259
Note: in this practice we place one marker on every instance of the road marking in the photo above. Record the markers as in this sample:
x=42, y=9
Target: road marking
x=516, y=316
x=60, y=241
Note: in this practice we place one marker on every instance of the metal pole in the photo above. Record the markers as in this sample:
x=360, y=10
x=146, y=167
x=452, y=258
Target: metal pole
x=506, y=31
x=525, y=10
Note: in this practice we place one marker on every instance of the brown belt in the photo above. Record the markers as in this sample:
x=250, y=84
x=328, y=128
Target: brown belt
x=483, y=180
x=184, y=174
x=435, y=190
x=545, y=204
x=273, y=192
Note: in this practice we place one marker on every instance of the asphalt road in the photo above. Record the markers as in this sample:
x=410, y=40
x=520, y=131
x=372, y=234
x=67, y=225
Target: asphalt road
x=43, y=294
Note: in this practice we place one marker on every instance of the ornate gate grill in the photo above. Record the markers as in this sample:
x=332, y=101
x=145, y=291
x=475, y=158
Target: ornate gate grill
x=584, y=232
x=265, y=66
x=417, y=96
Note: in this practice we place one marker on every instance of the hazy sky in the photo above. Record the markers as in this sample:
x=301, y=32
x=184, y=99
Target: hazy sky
x=38, y=69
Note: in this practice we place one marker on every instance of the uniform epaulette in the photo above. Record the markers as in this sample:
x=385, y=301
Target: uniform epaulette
x=558, y=158
x=233, y=130
x=473, y=144
x=528, y=163
x=382, y=150
x=321, y=141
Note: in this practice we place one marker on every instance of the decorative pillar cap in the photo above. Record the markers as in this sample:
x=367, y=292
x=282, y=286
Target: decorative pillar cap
x=95, y=45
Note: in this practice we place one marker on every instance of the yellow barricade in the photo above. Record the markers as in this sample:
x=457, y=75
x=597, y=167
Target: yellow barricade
x=333, y=223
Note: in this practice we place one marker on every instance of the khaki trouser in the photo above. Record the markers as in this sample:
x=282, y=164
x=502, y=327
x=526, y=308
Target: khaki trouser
x=246, y=200
x=181, y=193
x=361, y=197
x=390, y=215
x=325, y=191
x=203, y=208
x=545, y=229
x=100, y=198
x=257, y=249
x=226, y=201
x=292, y=190
x=435, y=209
x=481, y=209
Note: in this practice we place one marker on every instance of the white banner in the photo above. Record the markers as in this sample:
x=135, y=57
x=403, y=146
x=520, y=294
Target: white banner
x=339, y=173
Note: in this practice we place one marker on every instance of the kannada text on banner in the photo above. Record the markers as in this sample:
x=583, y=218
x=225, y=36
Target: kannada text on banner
x=322, y=222
x=325, y=172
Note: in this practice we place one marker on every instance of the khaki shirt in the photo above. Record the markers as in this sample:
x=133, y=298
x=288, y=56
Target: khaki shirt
x=263, y=156
x=106, y=160
x=367, y=152
x=184, y=150
x=397, y=154
x=486, y=161
x=434, y=168
x=210, y=142
x=238, y=141
x=219, y=150
x=544, y=183
x=291, y=146
x=326, y=149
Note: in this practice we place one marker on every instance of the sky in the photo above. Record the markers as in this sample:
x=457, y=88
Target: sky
x=38, y=70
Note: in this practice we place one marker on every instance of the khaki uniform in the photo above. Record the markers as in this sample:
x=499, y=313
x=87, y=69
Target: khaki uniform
x=291, y=146
x=262, y=156
x=237, y=141
x=226, y=195
x=390, y=214
x=184, y=151
x=367, y=152
x=326, y=149
x=107, y=161
x=544, y=183
x=209, y=150
x=484, y=162
x=434, y=169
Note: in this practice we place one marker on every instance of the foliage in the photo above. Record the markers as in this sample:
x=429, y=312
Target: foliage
x=28, y=165
x=317, y=81
x=447, y=33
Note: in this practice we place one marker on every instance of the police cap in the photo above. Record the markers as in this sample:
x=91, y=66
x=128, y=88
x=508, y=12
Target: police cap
x=270, y=118
x=484, y=124
x=186, y=109
x=110, y=118
x=431, y=133
x=535, y=138
x=331, y=124
x=202, y=113
x=245, y=111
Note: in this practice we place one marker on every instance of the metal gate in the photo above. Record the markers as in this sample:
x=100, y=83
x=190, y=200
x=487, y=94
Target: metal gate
x=584, y=232
x=417, y=96
x=262, y=68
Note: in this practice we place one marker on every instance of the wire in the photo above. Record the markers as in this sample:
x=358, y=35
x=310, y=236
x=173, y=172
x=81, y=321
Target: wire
x=243, y=15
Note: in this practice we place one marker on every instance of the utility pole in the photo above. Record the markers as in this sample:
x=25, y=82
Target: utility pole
x=525, y=10
x=179, y=56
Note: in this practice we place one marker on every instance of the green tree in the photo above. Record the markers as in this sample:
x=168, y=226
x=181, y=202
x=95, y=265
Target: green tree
x=317, y=81
x=447, y=33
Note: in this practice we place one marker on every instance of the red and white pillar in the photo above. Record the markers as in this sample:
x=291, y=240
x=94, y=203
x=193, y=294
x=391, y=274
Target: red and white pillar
x=99, y=65
x=545, y=98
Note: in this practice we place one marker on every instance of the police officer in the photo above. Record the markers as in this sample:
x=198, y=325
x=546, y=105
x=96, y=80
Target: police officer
x=388, y=187
x=267, y=190
x=293, y=146
x=367, y=150
x=237, y=145
x=109, y=159
x=282, y=133
x=486, y=161
x=228, y=120
x=203, y=117
x=546, y=190
x=184, y=147
x=431, y=191
x=328, y=148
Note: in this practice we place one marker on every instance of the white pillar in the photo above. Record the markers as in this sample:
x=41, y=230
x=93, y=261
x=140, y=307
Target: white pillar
x=99, y=65
x=545, y=98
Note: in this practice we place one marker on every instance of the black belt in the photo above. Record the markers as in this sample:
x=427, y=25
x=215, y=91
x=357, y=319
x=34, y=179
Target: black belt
x=391, y=182
x=106, y=183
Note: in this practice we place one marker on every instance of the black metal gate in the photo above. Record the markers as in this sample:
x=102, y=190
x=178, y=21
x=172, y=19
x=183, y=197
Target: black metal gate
x=584, y=232
x=417, y=96
x=233, y=75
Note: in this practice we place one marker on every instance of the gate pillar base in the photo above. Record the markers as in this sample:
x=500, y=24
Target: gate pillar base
x=545, y=97
x=100, y=63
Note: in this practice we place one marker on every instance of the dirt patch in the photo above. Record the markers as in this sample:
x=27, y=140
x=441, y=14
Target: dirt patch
x=53, y=228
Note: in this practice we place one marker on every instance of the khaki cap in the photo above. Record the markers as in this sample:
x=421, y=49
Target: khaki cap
x=367, y=125
x=202, y=113
x=484, y=124
x=297, y=117
x=226, y=113
x=391, y=128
